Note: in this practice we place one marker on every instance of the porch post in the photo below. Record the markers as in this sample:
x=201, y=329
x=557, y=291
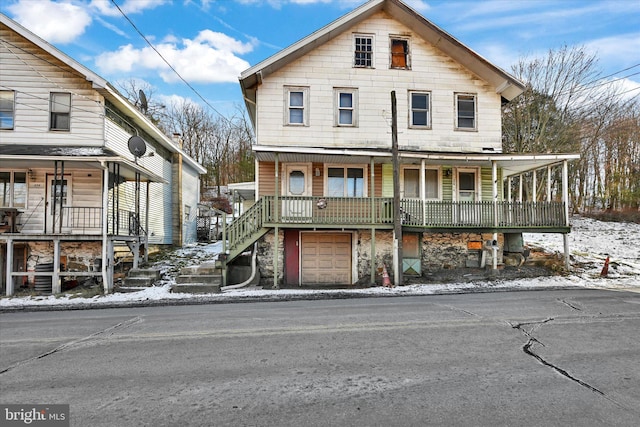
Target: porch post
x=548, y=183
x=372, y=186
x=534, y=191
x=146, y=224
x=56, y=288
x=105, y=215
x=276, y=248
x=423, y=192
x=9, y=267
x=520, y=188
x=565, y=199
x=509, y=182
x=494, y=177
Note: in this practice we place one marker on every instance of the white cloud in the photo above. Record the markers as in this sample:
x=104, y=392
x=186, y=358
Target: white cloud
x=622, y=49
x=56, y=22
x=105, y=7
x=208, y=58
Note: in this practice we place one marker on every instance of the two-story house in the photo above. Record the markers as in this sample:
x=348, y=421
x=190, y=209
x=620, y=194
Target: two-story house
x=324, y=120
x=83, y=173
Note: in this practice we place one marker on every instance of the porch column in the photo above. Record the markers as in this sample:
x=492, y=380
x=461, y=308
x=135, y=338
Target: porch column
x=105, y=214
x=9, y=267
x=565, y=200
x=423, y=192
x=494, y=178
x=276, y=248
x=509, y=183
x=520, y=185
x=548, y=183
x=372, y=186
x=56, y=287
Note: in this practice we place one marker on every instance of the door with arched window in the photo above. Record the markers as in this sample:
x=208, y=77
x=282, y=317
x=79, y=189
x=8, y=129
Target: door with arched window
x=296, y=205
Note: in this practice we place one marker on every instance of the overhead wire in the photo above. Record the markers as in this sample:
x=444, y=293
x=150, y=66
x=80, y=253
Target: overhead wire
x=168, y=63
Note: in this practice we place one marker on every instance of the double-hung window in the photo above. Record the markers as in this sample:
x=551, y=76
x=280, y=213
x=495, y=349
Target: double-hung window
x=400, y=57
x=60, y=108
x=296, y=106
x=13, y=189
x=363, y=51
x=345, y=181
x=411, y=183
x=7, y=109
x=346, y=112
x=419, y=110
x=465, y=111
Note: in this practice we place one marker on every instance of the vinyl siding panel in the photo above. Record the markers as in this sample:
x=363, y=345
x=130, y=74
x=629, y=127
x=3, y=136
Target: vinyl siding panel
x=330, y=66
x=190, y=197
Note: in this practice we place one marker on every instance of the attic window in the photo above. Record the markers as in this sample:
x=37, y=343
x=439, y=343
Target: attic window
x=400, y=54
x=363, y=54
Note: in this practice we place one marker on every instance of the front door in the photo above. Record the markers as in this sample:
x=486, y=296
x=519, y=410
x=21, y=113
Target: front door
x=468, y=195
x=296, y=207
x=292, y=257
x=411, y=258
x=55, y=220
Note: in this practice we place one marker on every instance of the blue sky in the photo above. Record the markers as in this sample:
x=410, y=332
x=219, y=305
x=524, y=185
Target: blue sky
x=209, y=42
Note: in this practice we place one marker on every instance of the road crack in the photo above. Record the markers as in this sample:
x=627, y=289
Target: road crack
x=80, y=342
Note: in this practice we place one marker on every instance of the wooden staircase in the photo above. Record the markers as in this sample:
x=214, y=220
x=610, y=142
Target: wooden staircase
x=246, y=229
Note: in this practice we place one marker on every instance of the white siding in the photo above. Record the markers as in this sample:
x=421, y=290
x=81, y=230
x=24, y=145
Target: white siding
x=34, y=74
x=160, y=208
x=330, y=65
x=190, y=197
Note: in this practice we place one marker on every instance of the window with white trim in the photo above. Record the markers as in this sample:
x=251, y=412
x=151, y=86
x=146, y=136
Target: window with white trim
x=346, y=112
x=363, y=51
x=399, y=52
x=465, y=111
x=420, y=110
x=60, y=108
x=345, y=181
x=296, y=106
x=7, y=109
x=13, y=189
x=411, y=183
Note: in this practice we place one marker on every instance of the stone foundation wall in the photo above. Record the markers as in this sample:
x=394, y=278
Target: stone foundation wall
x=440, y=251
x=75, y=256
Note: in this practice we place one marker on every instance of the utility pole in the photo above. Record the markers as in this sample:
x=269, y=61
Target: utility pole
x=397, y=212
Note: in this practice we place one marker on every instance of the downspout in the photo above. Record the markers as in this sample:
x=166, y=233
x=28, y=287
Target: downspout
x=254, y=268
x=565, y=199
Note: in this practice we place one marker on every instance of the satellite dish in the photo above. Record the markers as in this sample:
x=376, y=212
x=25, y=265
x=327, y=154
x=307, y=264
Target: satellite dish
x=144, y=105
x=137, y=146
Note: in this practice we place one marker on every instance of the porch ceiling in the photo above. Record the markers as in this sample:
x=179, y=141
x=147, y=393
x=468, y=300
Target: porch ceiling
x=511, y=164
x=127, y=168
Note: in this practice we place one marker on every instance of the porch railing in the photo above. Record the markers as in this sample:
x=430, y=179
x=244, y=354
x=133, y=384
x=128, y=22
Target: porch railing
x=352, y=211
x=80, y=219
x=125, y=223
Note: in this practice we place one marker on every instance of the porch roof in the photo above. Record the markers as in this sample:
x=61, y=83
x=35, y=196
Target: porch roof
x=511, y=164
x=33, y=157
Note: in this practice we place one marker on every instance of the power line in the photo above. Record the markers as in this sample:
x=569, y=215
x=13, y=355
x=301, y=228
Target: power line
x=168, y=64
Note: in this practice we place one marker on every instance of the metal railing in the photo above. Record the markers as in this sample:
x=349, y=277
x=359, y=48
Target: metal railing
x=80, y=219
x=125, y=223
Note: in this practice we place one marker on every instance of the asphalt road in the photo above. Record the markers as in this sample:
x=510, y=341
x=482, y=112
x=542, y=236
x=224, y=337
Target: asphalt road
x=539, y=358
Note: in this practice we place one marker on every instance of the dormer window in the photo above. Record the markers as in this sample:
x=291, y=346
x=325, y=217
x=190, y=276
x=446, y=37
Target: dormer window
x=363, y=52
x=400, y=57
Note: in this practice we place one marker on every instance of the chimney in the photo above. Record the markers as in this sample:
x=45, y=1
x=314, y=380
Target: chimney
x=177, y=138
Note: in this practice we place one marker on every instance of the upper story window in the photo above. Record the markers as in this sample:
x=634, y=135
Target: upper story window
x=466, y=111
x=400, y=57
x=7, y=108
x=346, y=101
x=420, y=110
x=60, y=107
x=345, y=181
x=296, y=106
x=363, y=52
x=13, y=189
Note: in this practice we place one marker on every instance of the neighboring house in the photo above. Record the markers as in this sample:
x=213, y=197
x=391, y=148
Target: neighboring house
x=72, y=191
x=323, y=117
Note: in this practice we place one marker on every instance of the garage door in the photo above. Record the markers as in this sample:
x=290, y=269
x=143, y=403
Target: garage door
x=325, y=258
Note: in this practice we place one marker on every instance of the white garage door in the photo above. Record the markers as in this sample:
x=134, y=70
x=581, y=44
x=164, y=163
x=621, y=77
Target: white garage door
x=326, y=258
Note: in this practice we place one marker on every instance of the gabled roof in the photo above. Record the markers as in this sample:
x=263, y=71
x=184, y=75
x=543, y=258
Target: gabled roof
x=506, y=85
x=105, y=88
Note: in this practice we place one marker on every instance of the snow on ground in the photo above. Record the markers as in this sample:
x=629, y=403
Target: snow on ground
x=590, y=242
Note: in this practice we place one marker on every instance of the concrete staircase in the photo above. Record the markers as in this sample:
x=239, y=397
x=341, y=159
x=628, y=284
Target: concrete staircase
x=200, y=279
x=139, y=278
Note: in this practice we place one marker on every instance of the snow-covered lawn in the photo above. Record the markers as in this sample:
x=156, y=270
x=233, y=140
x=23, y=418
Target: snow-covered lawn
x=590, y=242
